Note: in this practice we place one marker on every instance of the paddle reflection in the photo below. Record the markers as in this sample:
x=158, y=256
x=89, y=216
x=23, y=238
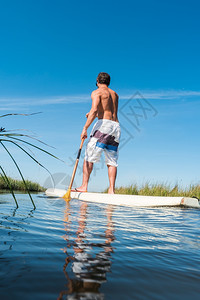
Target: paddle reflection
x=86, y=269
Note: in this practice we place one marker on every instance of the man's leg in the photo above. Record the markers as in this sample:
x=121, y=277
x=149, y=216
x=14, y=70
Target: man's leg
x=112, y=174
x=87, y=169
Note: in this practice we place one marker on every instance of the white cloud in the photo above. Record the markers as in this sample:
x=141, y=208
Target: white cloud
x=7, y=104
x=163, y=94
x=15, y=104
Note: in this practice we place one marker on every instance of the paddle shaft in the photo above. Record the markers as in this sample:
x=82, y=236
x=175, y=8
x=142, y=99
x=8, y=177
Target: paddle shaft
x=76, y=165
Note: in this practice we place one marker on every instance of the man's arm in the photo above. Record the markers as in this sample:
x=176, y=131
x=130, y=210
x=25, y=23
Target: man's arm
x=92, y=114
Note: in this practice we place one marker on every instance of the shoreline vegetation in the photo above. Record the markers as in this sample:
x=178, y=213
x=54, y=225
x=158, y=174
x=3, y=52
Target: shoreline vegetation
x=147, y=189
x=160, y=189
x=18, y=185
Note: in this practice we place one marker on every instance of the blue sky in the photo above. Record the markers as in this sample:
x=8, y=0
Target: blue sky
x=50, y=55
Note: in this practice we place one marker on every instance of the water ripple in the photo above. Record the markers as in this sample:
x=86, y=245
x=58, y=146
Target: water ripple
x=88, y=251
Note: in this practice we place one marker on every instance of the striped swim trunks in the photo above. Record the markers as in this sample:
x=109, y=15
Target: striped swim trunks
x=105, y=138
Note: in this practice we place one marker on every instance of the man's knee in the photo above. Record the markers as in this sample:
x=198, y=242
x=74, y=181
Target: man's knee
x=89, y=164
x=111, y=166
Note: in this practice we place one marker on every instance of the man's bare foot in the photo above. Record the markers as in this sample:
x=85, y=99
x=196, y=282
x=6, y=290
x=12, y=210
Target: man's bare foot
x=111, y=191
x=81, y=189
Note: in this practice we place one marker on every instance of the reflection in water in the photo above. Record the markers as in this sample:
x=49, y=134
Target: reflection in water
x=11, y=223
x=156, y=254
x=86, y=272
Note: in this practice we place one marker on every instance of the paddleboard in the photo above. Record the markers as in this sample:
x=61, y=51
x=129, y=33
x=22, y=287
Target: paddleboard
x=126, y=200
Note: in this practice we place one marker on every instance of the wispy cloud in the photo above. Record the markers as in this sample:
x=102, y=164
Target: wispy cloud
x=163, y=94
x=17, y=103
x=7, y=104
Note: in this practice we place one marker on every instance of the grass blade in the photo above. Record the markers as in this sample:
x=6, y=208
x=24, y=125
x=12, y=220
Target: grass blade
x=10, y=135
x=20, y=129
x=7, y=181
x=35, y=160
x=19, y=172
x=36, y=148
x=6, y=115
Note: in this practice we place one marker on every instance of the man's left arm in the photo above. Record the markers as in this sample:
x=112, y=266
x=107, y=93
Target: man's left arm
x=92, y=114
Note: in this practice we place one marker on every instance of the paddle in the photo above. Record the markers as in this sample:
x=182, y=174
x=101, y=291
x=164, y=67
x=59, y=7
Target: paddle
x=67, y=195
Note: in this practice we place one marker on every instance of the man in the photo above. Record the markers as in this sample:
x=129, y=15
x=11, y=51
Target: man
x=105, y=134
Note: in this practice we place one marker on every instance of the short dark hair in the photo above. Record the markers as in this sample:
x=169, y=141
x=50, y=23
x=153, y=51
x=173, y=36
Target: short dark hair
x=103, y=78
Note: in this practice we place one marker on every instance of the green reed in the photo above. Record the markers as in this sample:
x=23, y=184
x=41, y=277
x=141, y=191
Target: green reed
x=160, y=189
x=18, y=185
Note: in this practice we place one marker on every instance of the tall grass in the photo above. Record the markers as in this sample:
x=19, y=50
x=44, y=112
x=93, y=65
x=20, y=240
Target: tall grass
x=160, y=189
x=18, y=185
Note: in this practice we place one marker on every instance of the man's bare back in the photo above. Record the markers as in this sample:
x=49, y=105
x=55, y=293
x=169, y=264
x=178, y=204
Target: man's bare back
x=108, y=104
x=104, y=106
x=105, y=135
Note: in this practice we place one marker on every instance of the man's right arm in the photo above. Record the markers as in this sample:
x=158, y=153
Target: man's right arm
x=94, y=109
x=92, y=114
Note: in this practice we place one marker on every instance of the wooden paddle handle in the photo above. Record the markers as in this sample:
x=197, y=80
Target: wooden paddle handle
x=76, y=165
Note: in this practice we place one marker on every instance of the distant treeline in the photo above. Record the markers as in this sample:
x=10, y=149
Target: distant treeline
x=18, y=185
x=160, y=190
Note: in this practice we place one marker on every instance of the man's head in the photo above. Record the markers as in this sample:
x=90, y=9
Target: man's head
x=103, y=78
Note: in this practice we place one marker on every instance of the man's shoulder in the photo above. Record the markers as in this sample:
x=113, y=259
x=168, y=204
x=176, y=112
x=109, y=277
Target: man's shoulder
x=113, y=93
x=98, y=92
x=95, y=93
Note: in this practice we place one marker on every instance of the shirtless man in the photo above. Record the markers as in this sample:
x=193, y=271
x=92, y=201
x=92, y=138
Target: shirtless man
x=105, y=134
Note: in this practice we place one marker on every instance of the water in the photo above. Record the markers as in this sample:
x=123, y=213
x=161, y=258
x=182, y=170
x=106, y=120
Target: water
x=90, y=251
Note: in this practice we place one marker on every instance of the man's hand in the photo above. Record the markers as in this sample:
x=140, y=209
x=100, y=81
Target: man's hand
x=84, y=133
x=88, y=115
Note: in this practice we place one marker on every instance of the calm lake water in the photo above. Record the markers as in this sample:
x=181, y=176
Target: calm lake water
x=89, y=251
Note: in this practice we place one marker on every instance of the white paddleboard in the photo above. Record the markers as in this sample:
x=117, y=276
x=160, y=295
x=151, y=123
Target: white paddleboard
x=126, y=200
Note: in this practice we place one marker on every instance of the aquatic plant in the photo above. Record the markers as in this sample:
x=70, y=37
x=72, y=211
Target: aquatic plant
x=21, y=141
x=160, y=189
x=18, y=185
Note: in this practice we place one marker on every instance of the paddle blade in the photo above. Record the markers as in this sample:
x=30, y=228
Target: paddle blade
x=67, y=196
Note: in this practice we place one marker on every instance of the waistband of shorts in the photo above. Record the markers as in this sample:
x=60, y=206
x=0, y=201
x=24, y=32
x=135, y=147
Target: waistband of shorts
x=106, y=121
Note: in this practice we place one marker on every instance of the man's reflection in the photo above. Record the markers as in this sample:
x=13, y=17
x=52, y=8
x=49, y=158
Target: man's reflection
x=90, y=261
